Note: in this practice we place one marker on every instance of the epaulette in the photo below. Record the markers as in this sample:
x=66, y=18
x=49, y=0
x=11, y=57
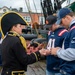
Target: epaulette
x=62, y=32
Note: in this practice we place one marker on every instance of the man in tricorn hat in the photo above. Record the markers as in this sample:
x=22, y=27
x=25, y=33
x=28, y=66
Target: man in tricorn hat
x=55, y=39
x=14, y=54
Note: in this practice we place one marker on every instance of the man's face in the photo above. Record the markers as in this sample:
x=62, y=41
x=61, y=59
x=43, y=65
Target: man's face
x=65, y=22
x=18, y=28
x=53, y=27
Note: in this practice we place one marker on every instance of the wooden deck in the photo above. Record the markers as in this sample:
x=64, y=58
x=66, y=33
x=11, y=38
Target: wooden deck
x=38, y=68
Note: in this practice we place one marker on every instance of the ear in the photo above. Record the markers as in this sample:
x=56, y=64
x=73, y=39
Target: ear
x=13, y=27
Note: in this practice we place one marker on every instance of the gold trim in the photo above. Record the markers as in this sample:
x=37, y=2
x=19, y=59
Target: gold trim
x=36, y=56
x=8, y=13
x=19, y=72
x=23, y=41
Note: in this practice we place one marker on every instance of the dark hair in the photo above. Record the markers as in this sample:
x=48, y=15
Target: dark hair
x=71, y=14
x=12, y=26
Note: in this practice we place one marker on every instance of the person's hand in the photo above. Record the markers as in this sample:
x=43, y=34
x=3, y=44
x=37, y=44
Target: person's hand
x=54, y=50
x=44, y=52
x=28, y=46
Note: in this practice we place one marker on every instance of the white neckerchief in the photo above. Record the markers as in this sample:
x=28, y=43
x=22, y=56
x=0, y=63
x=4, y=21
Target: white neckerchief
x=73, y=21
x=3, y=38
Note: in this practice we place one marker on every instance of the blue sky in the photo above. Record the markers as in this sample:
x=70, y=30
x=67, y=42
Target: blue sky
x=21, y=3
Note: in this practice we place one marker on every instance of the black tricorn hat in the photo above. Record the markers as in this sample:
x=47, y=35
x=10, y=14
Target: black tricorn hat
x=9, y=19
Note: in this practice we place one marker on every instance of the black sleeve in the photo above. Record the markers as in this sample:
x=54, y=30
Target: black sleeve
x=22, y=57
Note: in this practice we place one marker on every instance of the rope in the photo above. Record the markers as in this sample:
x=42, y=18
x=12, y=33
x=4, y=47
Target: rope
x=29, y=9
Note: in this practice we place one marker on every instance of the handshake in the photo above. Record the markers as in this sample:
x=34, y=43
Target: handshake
x=52, y=51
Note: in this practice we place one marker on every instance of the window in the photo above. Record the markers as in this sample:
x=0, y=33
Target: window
x=41, y=20
x=27, y=18
x=4, y=10
x=68, y=1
